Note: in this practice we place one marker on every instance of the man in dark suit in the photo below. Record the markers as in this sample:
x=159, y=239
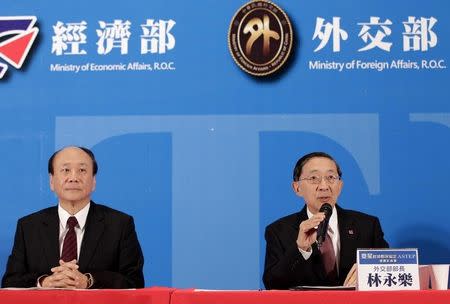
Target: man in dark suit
x=77, y=244
x=293, y=257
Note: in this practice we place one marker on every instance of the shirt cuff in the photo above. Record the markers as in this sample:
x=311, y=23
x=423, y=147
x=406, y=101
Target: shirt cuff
x=40, y=279
x=305, y=254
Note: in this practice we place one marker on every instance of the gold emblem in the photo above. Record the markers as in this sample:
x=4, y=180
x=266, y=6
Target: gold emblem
x=260, y=37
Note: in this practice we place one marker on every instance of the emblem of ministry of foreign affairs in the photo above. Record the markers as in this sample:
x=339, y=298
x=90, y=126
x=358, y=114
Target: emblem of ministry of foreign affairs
x=260, y=37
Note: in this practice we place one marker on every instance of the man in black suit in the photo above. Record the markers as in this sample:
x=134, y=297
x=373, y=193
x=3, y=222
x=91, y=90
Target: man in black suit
x=104, y=251
x=292, y=255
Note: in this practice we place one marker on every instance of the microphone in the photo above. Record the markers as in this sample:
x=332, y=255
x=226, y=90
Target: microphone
x=323, y=226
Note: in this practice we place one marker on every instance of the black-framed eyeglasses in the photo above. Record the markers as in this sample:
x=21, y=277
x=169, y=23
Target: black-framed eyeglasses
x=317, y=179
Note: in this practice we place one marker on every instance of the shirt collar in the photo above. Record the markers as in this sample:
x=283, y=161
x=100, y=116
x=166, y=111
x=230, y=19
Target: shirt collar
x=80, y=215
x=332, y=224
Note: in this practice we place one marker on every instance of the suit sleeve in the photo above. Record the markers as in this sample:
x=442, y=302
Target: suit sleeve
x=378, y=236
x=285, y=266
x=17, y=273
x=129, y=272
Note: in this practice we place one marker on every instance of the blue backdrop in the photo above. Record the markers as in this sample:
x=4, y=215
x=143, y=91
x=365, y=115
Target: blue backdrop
x=201, y=154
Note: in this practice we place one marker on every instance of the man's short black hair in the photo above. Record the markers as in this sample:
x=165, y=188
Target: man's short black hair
x=304, y=159
x=86, y=150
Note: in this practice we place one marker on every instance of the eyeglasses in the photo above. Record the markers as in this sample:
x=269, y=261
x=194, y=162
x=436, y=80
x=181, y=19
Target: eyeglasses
x=317, y=179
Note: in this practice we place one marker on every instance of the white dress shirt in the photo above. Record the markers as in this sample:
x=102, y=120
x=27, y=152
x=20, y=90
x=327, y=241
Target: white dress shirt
x=79, y=229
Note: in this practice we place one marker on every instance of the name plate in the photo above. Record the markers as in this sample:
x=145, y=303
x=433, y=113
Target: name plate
x=388, y=269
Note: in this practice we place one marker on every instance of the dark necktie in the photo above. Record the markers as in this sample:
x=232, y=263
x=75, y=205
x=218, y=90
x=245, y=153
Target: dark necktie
x=69, y=251
x=329, y=258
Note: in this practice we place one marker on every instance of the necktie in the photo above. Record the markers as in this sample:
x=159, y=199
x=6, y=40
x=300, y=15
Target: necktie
x=329, y=258
x=69, y=251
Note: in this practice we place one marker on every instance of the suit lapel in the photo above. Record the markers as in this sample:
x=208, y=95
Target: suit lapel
x=94, y=229
x=49, y=237
x=348, y=236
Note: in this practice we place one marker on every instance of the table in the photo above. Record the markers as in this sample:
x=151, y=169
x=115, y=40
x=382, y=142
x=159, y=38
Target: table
x=163, y=295
x=310, y=297
x=153, y=295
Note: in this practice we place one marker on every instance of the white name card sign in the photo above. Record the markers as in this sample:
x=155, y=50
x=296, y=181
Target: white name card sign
x=388, y=269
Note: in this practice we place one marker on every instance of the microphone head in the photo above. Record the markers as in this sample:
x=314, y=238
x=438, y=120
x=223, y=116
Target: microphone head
x=327, y=209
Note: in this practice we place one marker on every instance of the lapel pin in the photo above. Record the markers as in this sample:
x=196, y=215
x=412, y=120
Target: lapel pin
x=350, y=231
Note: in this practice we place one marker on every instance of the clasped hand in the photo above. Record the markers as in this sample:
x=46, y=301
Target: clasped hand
x=66, y=275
